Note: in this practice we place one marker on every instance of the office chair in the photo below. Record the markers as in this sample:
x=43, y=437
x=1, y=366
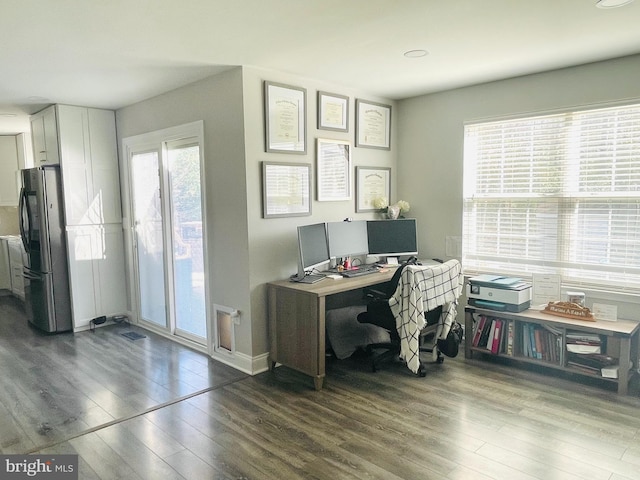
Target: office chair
x=380, y=312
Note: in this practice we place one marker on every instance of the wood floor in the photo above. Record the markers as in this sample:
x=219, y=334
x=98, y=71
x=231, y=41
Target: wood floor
x=465, y=420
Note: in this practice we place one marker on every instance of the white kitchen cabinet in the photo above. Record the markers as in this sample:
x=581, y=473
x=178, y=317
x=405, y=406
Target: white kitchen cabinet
x=97, y=271
x=89, y=165
x=5, y=269
x=44, y=136
x=8, y=171
x=16, y=264
x=88, y=158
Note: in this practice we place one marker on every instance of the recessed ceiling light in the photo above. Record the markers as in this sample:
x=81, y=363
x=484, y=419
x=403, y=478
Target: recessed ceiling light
x=416, y=53
x=8, y=115
x=612, y=3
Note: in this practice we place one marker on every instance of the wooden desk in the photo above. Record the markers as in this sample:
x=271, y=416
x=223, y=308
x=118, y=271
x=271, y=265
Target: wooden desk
x=297, y=318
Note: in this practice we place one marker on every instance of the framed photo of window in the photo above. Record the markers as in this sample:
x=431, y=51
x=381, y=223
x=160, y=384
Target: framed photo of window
x=333, y=170
x=286, y=189
x=333, y=112
x=285, y=118
x=372, y=183
x=373, y=125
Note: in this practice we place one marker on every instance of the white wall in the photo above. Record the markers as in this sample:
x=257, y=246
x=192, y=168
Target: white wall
x=430, y=137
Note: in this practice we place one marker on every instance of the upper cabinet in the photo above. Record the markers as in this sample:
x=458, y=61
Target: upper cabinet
x=88, y=157
x=8, y=171
x=44, y=134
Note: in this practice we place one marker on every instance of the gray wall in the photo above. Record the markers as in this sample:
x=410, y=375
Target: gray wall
x=245, y=250
x=430, y=137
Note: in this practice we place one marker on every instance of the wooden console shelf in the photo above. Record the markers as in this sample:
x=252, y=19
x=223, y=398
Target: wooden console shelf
x=620, y=340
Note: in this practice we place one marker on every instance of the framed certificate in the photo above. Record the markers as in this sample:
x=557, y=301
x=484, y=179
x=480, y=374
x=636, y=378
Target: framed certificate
x=333, y=167
x=333, y=112
x=373, y=125
x=286, y=189
x=372, y=183
x=285, y=118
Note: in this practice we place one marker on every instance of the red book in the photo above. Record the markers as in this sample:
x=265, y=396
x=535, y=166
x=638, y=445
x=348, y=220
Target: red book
x=479, y=329
x=495, y=346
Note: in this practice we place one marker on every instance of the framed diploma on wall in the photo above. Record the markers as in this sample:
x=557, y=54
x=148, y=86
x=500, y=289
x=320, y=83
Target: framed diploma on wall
x=333, y=112
x=373, y=125
x=285, y=118
x=372, y=183
x=333, y=167
x=286, y=189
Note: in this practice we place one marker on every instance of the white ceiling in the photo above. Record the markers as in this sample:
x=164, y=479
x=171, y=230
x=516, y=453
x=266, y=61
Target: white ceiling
x=112, y=53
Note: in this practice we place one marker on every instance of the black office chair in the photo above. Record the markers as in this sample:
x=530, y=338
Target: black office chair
x=379, y=313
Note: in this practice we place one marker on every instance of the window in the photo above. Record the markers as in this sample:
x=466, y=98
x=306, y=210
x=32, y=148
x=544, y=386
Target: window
x=556, y=194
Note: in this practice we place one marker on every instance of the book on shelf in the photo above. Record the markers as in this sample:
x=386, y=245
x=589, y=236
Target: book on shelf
x=479, y=328
x=509, y=350
x=497, y=336
x=491, y=334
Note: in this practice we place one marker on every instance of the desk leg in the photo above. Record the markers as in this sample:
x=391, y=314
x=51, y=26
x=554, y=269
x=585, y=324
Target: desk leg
x=317, y=382
x=625, y=358
x=468, y=334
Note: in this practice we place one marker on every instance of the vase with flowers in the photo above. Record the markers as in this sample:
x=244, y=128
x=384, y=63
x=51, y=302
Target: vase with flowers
x=397, y=210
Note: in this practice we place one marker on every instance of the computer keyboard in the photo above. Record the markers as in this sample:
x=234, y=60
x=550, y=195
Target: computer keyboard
x=311, y=278
x=361, y=270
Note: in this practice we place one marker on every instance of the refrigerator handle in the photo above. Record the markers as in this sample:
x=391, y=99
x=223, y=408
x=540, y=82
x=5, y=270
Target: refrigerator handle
x=22, y=209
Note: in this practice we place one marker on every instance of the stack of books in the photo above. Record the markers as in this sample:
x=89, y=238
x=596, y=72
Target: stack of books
x=585, y=352
x=583, y=343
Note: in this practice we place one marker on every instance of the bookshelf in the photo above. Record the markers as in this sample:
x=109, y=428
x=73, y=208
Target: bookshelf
x=556, y=343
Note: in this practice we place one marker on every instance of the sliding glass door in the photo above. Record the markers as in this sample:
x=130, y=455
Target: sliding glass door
x=167, y=232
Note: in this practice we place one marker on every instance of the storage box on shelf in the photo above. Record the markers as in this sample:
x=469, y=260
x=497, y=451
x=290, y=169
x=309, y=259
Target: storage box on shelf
x=600, y=349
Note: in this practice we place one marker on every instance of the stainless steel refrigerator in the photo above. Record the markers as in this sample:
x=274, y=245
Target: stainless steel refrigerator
x=42, y=227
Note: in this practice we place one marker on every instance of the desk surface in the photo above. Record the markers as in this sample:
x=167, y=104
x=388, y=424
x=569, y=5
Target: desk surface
x=330, y=286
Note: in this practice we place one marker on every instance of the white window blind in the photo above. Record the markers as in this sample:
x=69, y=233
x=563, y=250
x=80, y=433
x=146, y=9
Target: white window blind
x=556, y=194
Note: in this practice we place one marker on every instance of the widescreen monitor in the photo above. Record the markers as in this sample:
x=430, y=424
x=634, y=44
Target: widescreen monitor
x=313, y=249
x=392, y=238
x=347, y=239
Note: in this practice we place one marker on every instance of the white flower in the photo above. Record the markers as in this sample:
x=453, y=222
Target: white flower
x=380, y=203
x=404, y=205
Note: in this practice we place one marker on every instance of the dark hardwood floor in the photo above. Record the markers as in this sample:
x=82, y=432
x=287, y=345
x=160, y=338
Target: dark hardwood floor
x=152, y=409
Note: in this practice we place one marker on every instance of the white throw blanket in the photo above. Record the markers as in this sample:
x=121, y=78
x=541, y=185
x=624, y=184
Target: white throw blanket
x=421, y=289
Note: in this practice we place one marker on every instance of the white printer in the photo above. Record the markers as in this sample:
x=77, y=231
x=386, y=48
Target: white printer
x=507, y=294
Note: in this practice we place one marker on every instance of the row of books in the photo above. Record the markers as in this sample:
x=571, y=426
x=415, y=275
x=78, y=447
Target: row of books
x=494, y=334
x=541, y=342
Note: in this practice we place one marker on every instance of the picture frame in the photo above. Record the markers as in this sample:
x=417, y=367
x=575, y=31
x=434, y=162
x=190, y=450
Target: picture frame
x=286, y=189
x=285, y=118
x=333, y=170
x=333, y=112
x=373, y=125
x=372, y=183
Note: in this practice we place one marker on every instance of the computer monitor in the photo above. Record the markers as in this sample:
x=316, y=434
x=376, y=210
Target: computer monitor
x=313, y=249
x=392, y=238
x=347, y=239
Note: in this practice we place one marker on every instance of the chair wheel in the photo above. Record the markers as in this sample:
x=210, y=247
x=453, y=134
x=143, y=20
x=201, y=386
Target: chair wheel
x=440, y=360
x=422, y=372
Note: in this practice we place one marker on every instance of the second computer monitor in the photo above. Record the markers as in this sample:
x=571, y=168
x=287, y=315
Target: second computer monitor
x=392, y=238
x=347, y=239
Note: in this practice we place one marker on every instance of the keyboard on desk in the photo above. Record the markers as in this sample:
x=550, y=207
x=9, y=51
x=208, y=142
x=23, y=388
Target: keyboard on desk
x=362, y=270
